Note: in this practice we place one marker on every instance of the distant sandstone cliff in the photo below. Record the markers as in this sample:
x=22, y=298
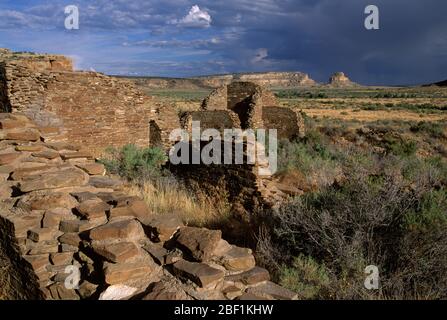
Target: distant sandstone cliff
x=268, y=79
x=340, y=80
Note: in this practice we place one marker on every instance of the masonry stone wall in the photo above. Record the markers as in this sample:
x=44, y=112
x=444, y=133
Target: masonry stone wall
x=288, y=123
x=84, y=107
x=68, y=232
x=218, y=119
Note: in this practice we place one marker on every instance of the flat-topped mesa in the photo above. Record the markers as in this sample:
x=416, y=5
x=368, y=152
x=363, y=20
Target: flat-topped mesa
x=267, y=79
x=83, y=107
x=340, y=80
x=278, y=79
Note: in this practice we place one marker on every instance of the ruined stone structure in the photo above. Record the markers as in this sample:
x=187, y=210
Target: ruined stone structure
x=256, y=108
x=63, y=220
x=59, y=209
x=244, y=105
x=82, y=107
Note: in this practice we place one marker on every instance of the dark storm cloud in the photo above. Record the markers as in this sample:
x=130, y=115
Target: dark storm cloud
x=193, y=37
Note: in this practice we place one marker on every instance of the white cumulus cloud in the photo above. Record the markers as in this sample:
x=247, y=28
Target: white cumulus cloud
x=196, y=18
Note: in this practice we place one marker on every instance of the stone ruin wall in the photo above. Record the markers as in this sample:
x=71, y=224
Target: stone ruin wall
x=83, y=107
x=60, y=210
x=288, y=123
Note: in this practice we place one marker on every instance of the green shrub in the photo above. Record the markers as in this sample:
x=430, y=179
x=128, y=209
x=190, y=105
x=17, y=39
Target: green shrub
x=399, y=146
x=431, y=212
x=434, y=129
x=306, y=277
x=133, y=163
x=371, y=219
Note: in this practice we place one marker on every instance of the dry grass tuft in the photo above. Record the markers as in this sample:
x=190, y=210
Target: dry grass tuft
x=165, y=196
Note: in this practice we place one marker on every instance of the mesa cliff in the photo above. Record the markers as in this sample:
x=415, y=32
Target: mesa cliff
x=267, y=79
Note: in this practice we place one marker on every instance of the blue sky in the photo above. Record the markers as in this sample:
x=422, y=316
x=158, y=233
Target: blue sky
x=186, y=38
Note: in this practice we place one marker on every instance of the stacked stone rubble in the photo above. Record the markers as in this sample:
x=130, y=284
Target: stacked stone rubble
x=61, y=217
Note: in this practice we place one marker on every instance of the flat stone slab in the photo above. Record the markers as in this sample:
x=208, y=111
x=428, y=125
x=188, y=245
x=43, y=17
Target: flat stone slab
x=38, y=262
x=49, y=200
x=238, y=259
x=119, y=252
x=64, y=178
x=105, y=182
x=200, y=243
x=92, y=168
x=61, y=258
x=163, y=227
x=7, y=158
x=136, y=208
x=71, y=238
x=118, y=230
x=93, y=208
x=76, y=226
x=157, y=252
x=26, y=134
x=76, y=155
x=46, y=154
x=124, y=272
x=41, y=234
x=200, y=273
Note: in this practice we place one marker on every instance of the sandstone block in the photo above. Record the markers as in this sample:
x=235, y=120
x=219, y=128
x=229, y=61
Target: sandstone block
x=129, y=229
x=238, y=259
x=164, y=291
x=41, y=234
x=71, y=239
x=163, y=227
x=137, y=208
x=49, y=200
x=30, y=148
x=87, y=289
x=38, y=262
x=93, y=208
x=8, y=158
x=76, y=155
x=124, y=272
x=20, y=135
x=105, y=182
x=120, y=252
x=60, y=179
x=23, y=223
x=43, y=247
x=68, y=226
x=157, y=252
x=46, y=154
x=92, y=168
x=59, y=292
x=200, y=273
x=64, y=258
x=52, y=218
x=250, y=277
x=199, y=243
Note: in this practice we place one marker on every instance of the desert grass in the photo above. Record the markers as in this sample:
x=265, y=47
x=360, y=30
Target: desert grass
x=167, y=196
